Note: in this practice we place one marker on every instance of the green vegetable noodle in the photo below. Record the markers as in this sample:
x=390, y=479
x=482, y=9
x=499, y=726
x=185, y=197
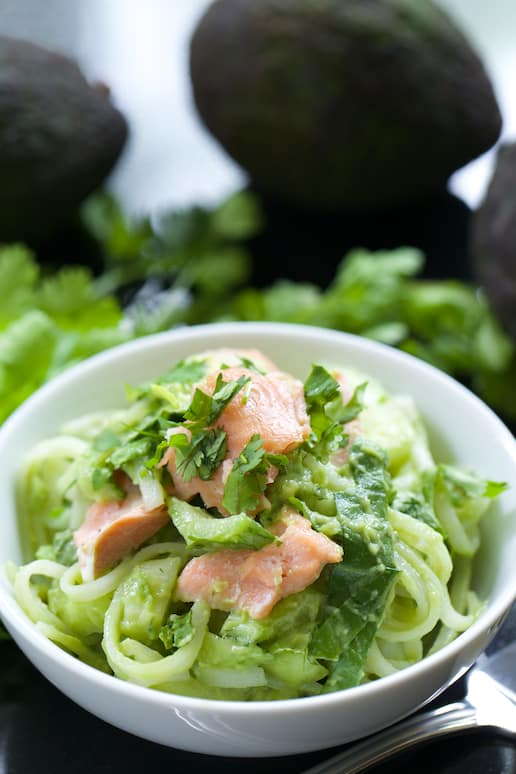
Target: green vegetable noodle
x=236, y=533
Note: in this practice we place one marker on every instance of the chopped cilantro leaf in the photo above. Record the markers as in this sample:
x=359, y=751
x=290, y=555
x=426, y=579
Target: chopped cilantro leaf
x=246, y=363
x=106, y=440
x=130, y=451
x=205, y=409
x=200, y=407
x=202, y=455
x=320, y=387
x=328, y=413
x=184, y=372
x=354, y=406
x=248, y=476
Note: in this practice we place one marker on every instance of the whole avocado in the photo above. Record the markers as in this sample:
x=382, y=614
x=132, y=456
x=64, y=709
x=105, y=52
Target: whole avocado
x=354, y=104
x=493, y=239
x=59, y=138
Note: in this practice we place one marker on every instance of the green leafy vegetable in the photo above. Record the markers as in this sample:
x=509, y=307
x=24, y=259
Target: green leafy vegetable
x=202, y=455
x=19, y=274
x=27, y=348
x=248, y=476
x=199, y=266
x=200, y=530
x=359, y=587
x=320, y=388
x=205, y=409
x=418, y=507
x=327, y=411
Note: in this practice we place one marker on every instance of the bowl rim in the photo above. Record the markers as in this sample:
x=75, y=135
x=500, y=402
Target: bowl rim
x=17, y=621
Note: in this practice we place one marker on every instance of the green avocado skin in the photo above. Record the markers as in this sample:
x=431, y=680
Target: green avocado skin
x=493, y=239
x=59, y=138
x=342, y=103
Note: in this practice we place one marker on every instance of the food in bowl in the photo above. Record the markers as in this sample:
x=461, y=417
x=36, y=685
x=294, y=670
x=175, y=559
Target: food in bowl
x=238, y=534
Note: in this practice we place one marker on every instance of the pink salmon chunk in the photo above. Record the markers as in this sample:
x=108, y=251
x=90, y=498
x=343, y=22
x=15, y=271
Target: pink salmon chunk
x=112, y=529
x=272, y=405
x=254, y=581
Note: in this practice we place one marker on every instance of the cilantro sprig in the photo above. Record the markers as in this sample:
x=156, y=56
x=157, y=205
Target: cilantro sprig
x=247, y=479
x=206, y=409
x=140, y=446
x=204, y=451
x=327, y=411
x=202, y=455
x=193, y=266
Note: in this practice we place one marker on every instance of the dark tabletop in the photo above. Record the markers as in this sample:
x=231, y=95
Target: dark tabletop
x=41, y=731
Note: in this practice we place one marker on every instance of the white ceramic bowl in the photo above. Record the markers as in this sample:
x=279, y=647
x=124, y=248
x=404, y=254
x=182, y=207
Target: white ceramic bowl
x=462, y=429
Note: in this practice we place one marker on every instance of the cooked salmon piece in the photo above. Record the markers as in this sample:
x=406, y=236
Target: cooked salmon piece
x=304, y=552
x=112, y=529
x=254, y=581
x=270, y=405
x=211, y=491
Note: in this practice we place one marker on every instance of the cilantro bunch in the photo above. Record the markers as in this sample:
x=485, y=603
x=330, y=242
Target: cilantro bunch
x=192, y=267
x=381, y=296
x=184, y=265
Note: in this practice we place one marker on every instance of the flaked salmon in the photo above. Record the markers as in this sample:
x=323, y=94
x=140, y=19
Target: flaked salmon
x=254, y=581
x=271, y=405
x=113, y=528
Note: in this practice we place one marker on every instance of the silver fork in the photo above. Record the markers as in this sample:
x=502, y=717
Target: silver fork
x=490, y=703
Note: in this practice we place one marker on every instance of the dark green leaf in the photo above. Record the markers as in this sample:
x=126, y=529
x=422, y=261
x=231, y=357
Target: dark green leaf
x=205, y=409
x=248, y=477
x=320, y=387
x=360, y=585
x=202, y=455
